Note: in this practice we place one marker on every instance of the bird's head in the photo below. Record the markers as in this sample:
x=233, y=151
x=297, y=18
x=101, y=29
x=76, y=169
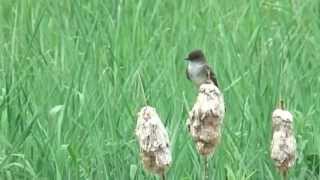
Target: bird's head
x=195, y=55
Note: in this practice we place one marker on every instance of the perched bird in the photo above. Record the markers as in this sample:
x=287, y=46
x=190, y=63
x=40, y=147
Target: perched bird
x=198, y=70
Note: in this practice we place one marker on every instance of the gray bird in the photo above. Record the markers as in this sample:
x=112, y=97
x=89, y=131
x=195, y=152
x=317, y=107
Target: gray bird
x=198, y=70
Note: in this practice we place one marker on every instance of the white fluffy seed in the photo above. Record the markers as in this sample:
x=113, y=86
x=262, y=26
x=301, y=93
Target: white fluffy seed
x=283, y=145
x=153, y=140
x=206, y=118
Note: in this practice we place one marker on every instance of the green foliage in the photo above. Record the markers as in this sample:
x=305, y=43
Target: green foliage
x=74, y=73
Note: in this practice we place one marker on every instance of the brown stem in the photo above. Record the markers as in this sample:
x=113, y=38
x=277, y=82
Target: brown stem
x=163, y=176
x=284, y=175
x=281, y=104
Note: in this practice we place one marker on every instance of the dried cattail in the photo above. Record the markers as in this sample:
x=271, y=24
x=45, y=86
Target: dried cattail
x=206, y=117
x=153, y=140
x=283, y=145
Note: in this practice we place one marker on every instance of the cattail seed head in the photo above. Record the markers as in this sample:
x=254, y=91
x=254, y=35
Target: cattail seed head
x=283, y=145
x=206, y=117
x=153, y=140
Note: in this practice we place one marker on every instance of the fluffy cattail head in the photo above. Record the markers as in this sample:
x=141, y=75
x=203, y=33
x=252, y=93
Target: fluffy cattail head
x=206, y=117
x=153, y=140
x=282, y=119
x=283, y=145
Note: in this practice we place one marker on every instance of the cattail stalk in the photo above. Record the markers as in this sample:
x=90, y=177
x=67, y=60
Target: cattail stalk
x=284, y=175
x=163, y=176
x=154, y=141
x=206, y=168
x=283, y=145
x=205, y=121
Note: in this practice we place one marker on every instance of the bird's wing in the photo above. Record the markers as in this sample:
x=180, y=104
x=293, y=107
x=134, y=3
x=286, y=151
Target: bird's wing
x=211, y=75
x=187, y=73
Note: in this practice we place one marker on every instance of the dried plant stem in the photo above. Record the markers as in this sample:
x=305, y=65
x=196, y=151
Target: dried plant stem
x=205, y=121
x=282, y=104
x=206, y=168
x=284, y=175
x=163, y=176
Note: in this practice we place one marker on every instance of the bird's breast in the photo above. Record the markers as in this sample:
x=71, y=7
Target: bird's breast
x=195, y=71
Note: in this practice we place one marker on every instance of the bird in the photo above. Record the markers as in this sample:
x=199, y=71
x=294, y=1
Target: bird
x=198, y=70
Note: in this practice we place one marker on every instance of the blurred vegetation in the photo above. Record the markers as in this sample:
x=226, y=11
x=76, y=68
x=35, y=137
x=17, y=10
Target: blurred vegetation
x=74, y=73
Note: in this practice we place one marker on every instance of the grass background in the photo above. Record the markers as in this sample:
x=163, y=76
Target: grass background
x=74, y=73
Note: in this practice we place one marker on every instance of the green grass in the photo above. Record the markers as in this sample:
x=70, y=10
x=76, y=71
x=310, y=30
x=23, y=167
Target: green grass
x=74, y=73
